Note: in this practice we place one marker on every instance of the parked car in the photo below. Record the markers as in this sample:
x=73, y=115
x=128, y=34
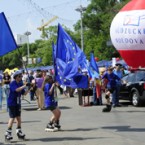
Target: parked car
x=133, y=88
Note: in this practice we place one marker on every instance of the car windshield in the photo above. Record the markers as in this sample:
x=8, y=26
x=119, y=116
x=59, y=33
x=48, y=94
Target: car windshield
x=125, y=78
x=140, y=76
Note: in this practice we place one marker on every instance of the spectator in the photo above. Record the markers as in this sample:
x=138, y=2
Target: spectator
x=6, y=82
x=33, y=90
x=1, y=80
x=39, y=92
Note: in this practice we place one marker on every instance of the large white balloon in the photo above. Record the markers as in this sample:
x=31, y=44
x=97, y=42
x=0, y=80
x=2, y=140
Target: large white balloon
x=127, y=33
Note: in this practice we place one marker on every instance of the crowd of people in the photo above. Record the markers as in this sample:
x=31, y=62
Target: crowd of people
x=40, y=85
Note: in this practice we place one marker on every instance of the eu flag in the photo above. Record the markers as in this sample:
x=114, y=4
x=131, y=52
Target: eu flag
x=69, y=59
x=93, y=68
x=7, y=41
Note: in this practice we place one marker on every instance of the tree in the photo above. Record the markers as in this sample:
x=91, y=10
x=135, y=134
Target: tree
x=96, y=21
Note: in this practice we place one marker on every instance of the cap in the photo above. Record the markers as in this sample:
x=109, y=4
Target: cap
x=16, y=73
x=118, y=64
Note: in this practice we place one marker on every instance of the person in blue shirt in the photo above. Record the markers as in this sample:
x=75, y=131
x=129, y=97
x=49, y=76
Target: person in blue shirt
x=111, y=85
x=50, y=103
x=115, y=96
x=17, y=88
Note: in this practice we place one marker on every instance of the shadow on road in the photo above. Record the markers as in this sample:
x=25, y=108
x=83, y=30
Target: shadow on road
x=34, y=108
x=64, y=139
x=32, y=121
x=81, y=129
x=124, y=129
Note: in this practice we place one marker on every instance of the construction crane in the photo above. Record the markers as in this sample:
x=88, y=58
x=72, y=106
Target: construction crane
x=41, y=28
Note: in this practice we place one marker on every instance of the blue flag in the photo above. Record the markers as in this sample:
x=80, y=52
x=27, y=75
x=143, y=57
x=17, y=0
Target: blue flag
x=93, y=67
x=7, y=41
x=69, y=59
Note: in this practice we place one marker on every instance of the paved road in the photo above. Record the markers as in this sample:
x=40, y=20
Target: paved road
x=80, y=125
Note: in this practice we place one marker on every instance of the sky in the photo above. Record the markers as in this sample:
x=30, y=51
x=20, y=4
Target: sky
x=27, y=15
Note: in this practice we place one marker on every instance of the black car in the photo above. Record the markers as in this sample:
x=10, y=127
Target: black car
x=133, y=88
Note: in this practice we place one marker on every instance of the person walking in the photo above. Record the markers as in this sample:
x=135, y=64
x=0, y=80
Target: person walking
x=39, y=91
x=51, y=104
x=17, y=88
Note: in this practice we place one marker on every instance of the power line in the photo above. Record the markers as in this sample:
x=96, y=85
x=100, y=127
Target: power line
x=68, y=2
x=43, y=12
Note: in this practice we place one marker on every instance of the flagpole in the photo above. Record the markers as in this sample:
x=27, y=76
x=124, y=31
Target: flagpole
x=53, y=61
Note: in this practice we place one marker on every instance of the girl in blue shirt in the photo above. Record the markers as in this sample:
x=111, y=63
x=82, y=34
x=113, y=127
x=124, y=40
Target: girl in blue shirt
x=51, y=104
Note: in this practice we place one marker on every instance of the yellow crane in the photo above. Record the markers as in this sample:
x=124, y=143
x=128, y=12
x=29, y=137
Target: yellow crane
x=45, y=24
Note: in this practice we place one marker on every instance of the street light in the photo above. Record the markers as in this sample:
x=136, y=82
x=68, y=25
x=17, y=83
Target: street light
x=81, y=9
x=27, y=33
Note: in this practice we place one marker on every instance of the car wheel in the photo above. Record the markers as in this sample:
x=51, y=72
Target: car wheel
x=135, y=98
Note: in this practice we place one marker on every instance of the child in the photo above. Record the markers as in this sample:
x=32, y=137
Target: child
x=51, y=104
x=14, y=105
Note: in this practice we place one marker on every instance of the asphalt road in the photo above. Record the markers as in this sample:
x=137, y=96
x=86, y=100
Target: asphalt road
x=80, y=125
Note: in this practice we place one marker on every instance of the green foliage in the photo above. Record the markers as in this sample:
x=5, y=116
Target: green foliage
x=96, y=21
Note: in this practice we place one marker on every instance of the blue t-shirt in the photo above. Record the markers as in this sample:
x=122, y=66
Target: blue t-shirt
x=49, y=99
x=119, y=74
x=14, y=98
x=111, y=79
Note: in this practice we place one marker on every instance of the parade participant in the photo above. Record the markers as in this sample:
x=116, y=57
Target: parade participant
x=111, y=85
x=115, y=96
x=17, y=88
x=51, y=104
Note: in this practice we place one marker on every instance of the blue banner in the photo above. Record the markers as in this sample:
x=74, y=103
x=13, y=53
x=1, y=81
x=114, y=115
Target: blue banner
x=7, y=41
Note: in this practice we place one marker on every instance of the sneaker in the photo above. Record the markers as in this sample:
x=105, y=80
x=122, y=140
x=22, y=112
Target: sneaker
x=8, y=135
x=57, y=127
x=107, y=108
x=50, y=128
x=20, y=134
x=39, y=109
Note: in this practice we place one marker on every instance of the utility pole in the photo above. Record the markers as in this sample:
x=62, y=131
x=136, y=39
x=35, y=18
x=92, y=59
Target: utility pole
x=81, y=10
x=27, y=33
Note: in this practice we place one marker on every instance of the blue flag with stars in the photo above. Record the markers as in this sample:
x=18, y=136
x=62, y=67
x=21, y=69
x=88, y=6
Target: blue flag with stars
x=69, y=59
x=93, y=67
x=7, y=41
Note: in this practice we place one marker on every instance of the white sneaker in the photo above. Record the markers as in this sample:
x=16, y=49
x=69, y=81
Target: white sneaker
x=39, y=109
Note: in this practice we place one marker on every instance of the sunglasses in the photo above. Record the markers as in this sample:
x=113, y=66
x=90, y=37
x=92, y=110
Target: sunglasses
x=20, y=76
